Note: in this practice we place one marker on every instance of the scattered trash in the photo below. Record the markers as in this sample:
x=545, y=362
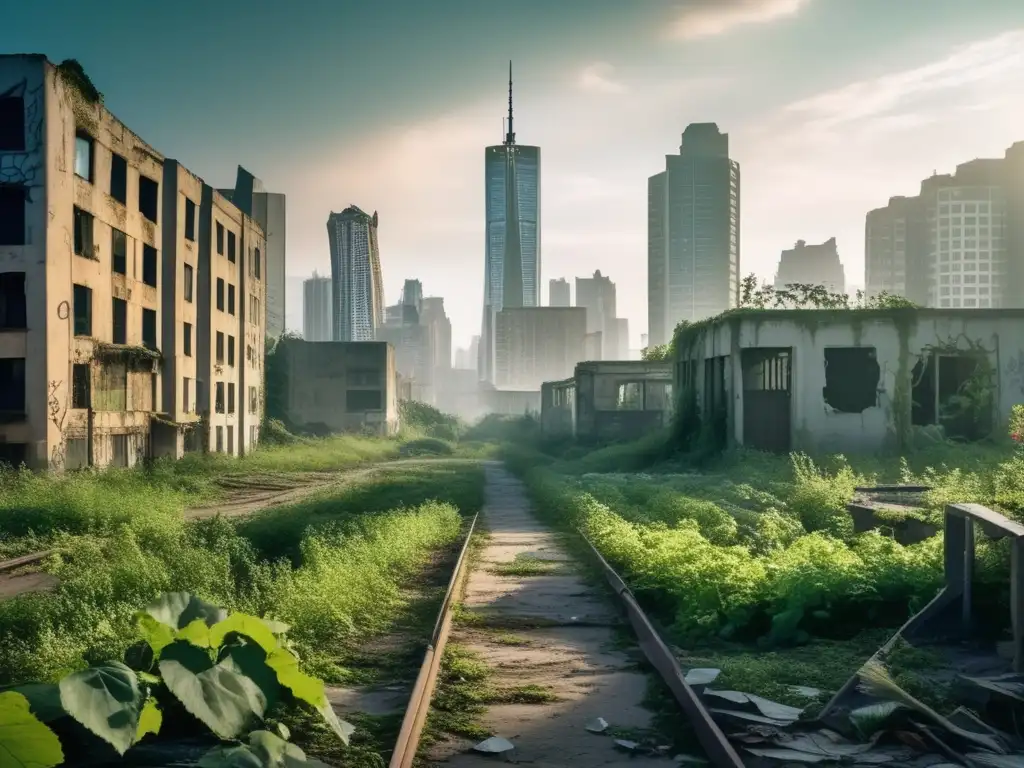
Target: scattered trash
x=702, y=676
x=684, y=759
x=597, y=725
x=494, y=746
x=806, y=691
x=770, y=709
x=626, y=744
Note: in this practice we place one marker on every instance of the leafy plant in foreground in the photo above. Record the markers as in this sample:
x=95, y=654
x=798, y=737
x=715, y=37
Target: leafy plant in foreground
x=226, y=671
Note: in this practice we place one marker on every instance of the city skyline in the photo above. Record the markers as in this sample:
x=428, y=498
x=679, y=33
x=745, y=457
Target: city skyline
x=612, y=93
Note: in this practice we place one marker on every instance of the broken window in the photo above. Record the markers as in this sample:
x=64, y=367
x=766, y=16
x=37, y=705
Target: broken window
x=12, y=124
x=12, y=214
x=188, y=280
x=218, y=405
x=149, y=328
x=83, y=155
x=256, y=263
x=231, y=397
x=220, y=293
x=82, y=296
x=190, y=220
x=254, y=399
x=358, y=400
x=954, y=391
x=231, y=350
x=186, y=339
x=119, y=251
x=220, y=439
x=231, y=247
x=630, y=396
x=120, y=314
x=657, y=395
x=12, y=301
x=81, y=385
x=119, y=178
x=851, y=379
x=149, y=265
x=83, y=233
x=231, y=299
x=12, y=388
x=220, y=347
x=220, y=238
x=149, y=192
x=111, y=388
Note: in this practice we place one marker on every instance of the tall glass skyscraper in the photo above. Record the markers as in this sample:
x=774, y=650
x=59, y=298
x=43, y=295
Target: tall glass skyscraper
x=357, y=285
x=512, y=248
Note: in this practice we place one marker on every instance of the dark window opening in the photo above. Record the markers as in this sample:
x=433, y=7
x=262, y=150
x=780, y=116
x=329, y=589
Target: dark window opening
x=149, y=193
x=12, y=214
x=357, y=400
x=149, y=328
x=220, y=238
x=231, y=299
x=14, y=454
x=231, y=350
x=630, y=396
x=851, y=379
x=187, y=339
x=955, y=392
x=220, y=347
x=12, y=388
x=190, y=220
x=120, y=312
x=81, y=385
x=188, y=272
x=82, y=297
x=83, y=233
x=13, y=309
x=119, y=178
x=119, y=251
x=231, y=247
x=231, y=397
x=12, y=124
x=220, y=438
x=220, y=294
x=149, y=265
x=83, y=155
x=218, y=404
x=256, y=263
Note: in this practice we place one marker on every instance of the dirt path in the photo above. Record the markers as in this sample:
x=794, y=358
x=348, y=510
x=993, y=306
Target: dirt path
x=572, y=656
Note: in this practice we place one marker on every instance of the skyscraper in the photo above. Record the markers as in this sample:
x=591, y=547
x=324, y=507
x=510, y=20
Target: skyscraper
x=358, y=291
x=558, y=293
x=316, y=308
x=597, y=295
x=812, y=265
x=512, y=246
x=693, y=233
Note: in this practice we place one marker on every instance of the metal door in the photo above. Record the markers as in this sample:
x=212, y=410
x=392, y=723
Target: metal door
x=766, y=398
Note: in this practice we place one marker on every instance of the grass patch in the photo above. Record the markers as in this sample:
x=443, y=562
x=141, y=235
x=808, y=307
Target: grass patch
x=506, y=638
x=460, y=697
x=527, y=565
x=522, y=694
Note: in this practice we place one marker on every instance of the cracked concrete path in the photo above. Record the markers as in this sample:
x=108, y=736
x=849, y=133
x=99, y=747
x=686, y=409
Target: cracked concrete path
x=570, y=650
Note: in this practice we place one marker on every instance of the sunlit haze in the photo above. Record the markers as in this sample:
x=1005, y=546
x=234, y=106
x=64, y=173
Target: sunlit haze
x=832, y=106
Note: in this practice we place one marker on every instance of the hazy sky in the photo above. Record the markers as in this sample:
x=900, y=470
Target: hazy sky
x=832, y=106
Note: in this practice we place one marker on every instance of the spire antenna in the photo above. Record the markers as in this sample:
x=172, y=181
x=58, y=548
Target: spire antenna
x=510, y=136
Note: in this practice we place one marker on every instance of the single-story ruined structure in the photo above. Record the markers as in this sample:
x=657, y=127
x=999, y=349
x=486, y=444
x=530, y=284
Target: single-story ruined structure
x=608, y=400
x=342, y=386
x=848, y=380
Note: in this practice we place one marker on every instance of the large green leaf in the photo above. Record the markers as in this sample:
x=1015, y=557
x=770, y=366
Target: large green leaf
x=264, y=750
x=24, y=741
x=179, y=609
x=308, y=689
x=43, y=700
x=154, y=632
x=226, y=701
x=196, y=632
x=106, y=700
x=249, y=660
x=150, y=719
x=252, y=627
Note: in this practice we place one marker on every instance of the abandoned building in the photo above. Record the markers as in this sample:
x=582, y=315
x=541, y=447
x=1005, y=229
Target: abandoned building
x=341, y=386
x=860, y=380
x=103, y=287
x=608, y=400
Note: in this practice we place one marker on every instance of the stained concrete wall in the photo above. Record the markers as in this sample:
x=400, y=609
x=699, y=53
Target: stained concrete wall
x=900, y=339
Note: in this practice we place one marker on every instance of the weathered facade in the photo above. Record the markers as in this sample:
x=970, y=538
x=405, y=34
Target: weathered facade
x=342, y=386
x=608, y=400
x=850, y=380
x=94, y=240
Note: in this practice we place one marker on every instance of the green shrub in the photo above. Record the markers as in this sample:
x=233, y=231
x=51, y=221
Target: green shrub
x=426, y=446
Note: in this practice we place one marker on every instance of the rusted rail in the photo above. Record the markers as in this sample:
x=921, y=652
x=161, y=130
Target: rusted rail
x=717, y=746
x=18, y=562
x=423, y=690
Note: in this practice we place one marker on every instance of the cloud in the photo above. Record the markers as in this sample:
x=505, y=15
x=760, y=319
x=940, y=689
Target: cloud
x=597, y=78
x=708, y=18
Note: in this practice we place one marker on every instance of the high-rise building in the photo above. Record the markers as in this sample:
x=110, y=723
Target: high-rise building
x=812, y=265
x=693, y=233
x=538, y=344
x=512, y=223
x=597, y=295
x=268, y=209
x=558, y=293
x=316, y=308
x=959, y=243
x=357, y=298
x=436, y=319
